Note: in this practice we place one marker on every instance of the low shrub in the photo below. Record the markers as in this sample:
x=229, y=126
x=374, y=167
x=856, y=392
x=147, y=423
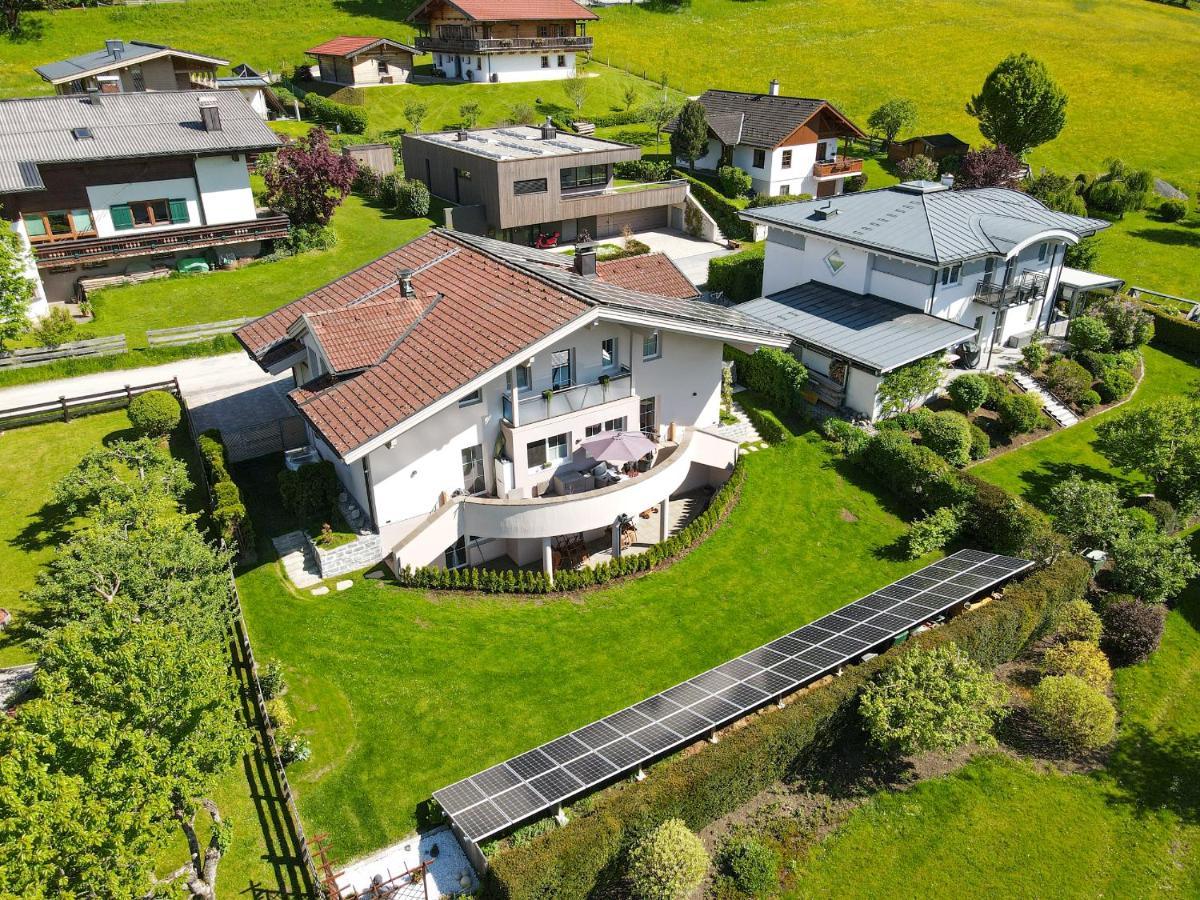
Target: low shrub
x=933, y=532
x=303, y=238
x=622, y=117
x=154, y=413
x=310, y=491
x=1019, y=413
x=1033, y=356
x=735, y=182
x=997, y=390
x=389, y=190
x=1117, y=384
x=760, y=200
x=668, y=863
x=968, y=392
x=1068, y=380
x=1128, y=324
x=981, y=444
x=292, y=747
x=752, y=866
x=1172, y=210
x=647, y=170
x=278, y=714
x=1073, y=714
x=212, y=451
x=847, y=436
x=1175, y=331
x=768, y=425
x=1083, y=659
x=1089, y=333
x=337, y=116
x=739, y=276
x=1165, y=516
x=1077, y=621
x=917, y=475
x=723, y=210
x=412, y=198
x=1006, y=524
x=270, y=679
x=1089, y=400
x=368, y=183
x=1132, y=629
x=55, y=328
x=948, y=434
x=1153, y=566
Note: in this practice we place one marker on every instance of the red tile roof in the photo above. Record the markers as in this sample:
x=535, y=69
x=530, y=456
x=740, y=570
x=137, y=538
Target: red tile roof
x=359, y=336
x=513, y=10
x=348, y=45
x=652, y=273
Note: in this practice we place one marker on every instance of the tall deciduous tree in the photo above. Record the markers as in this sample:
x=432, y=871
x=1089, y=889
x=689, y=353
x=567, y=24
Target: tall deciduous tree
x=116, y=481
x=892, y=117
x=415, y=112
x=659, y=112
x=16, y=289
x=1020, y=105
x=988, y=167
x=308, y=180
x=689, y=140
x=902, y=388
x=1161, y=440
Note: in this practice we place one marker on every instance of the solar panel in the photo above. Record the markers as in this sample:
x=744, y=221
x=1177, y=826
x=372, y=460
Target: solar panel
x=497, y=798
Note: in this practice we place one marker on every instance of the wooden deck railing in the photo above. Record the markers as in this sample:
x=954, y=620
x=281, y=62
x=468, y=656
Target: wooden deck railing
x=842, y=165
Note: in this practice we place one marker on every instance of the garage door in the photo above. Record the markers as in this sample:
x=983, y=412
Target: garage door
x=638, y=220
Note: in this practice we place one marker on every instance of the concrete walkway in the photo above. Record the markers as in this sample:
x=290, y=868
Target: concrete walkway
x=228, y=391
x=689, y=253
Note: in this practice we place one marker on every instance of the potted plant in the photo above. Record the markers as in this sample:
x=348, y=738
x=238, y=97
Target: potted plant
x=547, y=394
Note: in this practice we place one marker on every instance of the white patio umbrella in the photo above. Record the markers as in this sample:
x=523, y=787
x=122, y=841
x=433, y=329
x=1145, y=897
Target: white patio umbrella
x=618, y=446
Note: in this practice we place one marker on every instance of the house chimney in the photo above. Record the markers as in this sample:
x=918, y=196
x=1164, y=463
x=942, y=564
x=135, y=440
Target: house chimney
x=93, y=97
x=948, y=181
x=114, y=48
x=404, y=279
x=549, y=132
x=774, y=89
x=210, y=115
x=585, y=259
x=462, y=135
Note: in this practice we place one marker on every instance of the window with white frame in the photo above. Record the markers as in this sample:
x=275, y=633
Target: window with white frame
x=651, y=346
x=608, y=353
x=951, y=275
x=522, y=377
x=548, y=450
x=476, y=396
x=785, y=159
x=560, y=370
x=474, y=481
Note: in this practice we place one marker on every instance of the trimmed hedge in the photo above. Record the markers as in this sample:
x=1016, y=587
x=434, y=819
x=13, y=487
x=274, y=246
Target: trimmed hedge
x=719, y=207
x=775, y=374
x=229, y=509
x=525, y=582
x=1172, y=331
x=738, y=276
x=350, y=119
x=584, y=858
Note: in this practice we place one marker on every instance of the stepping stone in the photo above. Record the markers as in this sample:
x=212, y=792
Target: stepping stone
x=751, y=448
x=320, y=592
x=343, y=585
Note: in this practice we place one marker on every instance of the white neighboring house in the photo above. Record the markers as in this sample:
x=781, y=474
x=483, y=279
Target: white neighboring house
x=788, y=145
x=501, y=40
x=870, y=281
x=452, y=381
x=105, y=184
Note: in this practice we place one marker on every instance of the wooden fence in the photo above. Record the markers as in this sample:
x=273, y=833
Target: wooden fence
x=64, y=408
x=40, y=356
x=190, y=334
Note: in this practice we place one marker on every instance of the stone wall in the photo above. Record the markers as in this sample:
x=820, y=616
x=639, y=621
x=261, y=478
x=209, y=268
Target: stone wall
x=366, y=551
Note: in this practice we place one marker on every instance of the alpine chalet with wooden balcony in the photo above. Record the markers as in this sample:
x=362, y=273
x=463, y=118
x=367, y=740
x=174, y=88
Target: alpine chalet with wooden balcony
x=503, y=40
x=788, y=145
x=127, y=183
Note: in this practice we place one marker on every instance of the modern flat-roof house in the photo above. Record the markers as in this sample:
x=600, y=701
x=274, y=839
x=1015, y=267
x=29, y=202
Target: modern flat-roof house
x=131, y=66
x=454, y=381
x=522, y=182
x=106, y=184
x=503, y=40
x=788, y=145
x=868, y=282
x=360, y=61
x=935, y=146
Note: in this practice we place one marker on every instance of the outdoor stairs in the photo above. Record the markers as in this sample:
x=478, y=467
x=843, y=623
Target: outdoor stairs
x=299, y=561
x=1054, y=409
x=742, y=431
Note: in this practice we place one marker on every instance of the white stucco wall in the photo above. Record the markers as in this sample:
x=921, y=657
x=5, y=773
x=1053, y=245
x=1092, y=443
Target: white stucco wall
x=102, y=196
x=507, y=67
x=225, y=189
x=38, y=305
x=786, y=267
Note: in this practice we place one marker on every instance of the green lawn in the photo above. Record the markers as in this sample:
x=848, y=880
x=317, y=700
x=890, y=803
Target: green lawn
x=999, y=828
x=1126, y=61
x=32, y=460
x=1150, y=253
x=403, y=692
x=1033, y=469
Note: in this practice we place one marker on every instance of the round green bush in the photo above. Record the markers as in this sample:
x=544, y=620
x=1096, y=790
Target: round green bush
x=948, y=434
x=1080, y=658
x=154, y=413
x=1089, y=333
x=1073, y=714
x=667, y=863
x=1117, y=384
x=1172, y=210
x=1068, y=380
x=1077, y=621
x=1020, y=413
x=1165, y=516
x=751, y=865
x=1132, y=629
x=1034, y=356
x=968, y=392
x=997, y=390
x=981, y=444
x=1088, y=400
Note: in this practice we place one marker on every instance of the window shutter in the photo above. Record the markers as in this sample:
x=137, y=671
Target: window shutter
x=122, y=216
x=179, y=211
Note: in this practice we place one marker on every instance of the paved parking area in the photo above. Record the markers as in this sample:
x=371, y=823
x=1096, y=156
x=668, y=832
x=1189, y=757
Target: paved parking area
x=689, y=253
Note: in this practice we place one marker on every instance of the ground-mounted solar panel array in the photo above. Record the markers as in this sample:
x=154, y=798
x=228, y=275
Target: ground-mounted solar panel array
x=534, y=782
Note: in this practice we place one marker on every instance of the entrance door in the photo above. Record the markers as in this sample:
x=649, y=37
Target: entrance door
x=826, y=188
x=647, y=418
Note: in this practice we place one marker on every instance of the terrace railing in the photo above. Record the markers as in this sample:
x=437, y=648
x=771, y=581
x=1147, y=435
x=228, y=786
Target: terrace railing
x=536, y=408
x=840, y=165
x=1029, y=286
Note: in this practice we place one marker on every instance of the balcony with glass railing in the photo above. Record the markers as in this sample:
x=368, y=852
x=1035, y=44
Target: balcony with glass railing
x=533, y=407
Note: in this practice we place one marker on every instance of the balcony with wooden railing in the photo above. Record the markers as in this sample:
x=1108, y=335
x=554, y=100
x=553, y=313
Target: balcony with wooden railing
x=132, y=243
x=433, y=44
x=838, y=167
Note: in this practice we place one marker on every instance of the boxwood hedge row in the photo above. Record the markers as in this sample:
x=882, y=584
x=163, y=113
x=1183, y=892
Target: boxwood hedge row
x=1172, y=331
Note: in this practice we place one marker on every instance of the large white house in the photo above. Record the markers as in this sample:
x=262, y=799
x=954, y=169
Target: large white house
x=501, y=40
x=871, y=281
x=453, y=381
x=788, y=145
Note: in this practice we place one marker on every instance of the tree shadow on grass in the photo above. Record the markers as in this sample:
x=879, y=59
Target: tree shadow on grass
x=1158, y=772
x=1045, y=478
x=379, y=9
x=1172, y=237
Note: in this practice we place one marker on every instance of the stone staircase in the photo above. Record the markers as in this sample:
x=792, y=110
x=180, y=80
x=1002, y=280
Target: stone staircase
x=299, y=562
x=1054, y=409
x=742, y=431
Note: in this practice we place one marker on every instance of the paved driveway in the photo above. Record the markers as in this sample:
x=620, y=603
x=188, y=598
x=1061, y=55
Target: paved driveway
x=689, y=253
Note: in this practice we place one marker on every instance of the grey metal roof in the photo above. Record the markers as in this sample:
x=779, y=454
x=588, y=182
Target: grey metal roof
x=924, y=221
x=38, y=130
x=103, y=60
x=873, y=332
x=758, y=120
